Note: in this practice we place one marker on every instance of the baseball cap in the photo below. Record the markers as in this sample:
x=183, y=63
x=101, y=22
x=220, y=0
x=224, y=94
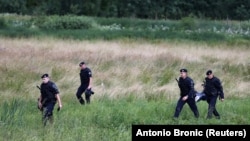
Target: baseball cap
x=45, y=75
x=183, y=70
x=209, y=72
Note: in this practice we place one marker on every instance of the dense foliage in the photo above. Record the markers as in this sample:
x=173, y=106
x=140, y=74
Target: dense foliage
x=91, y=28
x=149, y=9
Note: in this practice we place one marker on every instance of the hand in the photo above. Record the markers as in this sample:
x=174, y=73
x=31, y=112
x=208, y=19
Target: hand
x=40, y=105
x=185, y=98
x=59, y=107
x=222, y=99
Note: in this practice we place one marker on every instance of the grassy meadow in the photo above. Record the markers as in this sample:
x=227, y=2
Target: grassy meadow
x=134, y=83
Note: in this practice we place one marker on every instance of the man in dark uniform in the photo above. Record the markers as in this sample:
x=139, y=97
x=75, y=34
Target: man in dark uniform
x=187, y=94
x=48, y=98
x=213, y=89
x=86, y=84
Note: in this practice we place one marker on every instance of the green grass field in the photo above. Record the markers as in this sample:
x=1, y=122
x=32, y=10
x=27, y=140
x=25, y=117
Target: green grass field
x=134, y=83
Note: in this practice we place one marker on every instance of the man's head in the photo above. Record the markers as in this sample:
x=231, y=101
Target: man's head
x=183, y=73
x=45, y=78
x=82, y=65
x=209, y=74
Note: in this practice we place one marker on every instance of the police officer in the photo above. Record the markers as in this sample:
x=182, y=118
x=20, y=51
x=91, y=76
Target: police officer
x=48, y=98
x=213, y=89
x=187, y=94
x=86, y=84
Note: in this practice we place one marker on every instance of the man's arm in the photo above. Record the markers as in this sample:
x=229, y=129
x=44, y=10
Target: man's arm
x=90, y=79
x=90, y=82
x=191, y=89
x=40, y=102
x=59, y=100
x=219, y=87
x=57, y=96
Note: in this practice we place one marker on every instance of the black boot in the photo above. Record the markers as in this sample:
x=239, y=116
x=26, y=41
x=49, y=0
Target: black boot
x=82, y=101
x=210, y=112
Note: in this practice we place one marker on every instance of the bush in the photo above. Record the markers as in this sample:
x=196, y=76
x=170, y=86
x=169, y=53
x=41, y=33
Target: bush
x=3, y=23
x=65, y=22
x=187, y=23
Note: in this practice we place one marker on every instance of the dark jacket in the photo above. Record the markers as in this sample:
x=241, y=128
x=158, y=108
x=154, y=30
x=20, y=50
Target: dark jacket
x=48, y=92
x=213, y=87
x=186, y=87
x=85, y=75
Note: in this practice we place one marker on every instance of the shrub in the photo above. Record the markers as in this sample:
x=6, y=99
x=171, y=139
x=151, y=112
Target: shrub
x=187, y=23
x=3, y=23
x=65, y=22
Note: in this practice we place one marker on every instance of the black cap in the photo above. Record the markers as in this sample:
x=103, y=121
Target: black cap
x=45, y=75
x=209, y=72
x=81, y=63
x=183, y=70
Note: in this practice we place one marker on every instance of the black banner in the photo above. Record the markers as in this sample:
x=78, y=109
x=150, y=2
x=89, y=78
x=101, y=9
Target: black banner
x=194, y=132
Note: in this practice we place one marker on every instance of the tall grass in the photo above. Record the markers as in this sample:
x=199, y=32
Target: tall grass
x=134, y=65
x=107, y=119
x=134, y=83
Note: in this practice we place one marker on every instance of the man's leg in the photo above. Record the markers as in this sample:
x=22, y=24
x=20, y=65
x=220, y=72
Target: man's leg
x=44, y=115
x=48, y=113
x=193, y=107
x=179, y=107
x=211, y=106
x=79, y=95
x=217, y=115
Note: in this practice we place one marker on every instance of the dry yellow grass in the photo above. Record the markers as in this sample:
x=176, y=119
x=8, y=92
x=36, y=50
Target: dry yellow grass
x=117, y=65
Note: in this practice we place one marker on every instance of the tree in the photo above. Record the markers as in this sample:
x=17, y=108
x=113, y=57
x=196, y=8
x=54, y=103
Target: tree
x=13, y=6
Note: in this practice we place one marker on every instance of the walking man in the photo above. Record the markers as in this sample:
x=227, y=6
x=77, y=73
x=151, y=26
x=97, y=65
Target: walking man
x=48, y=98
x=213, y=89
x=187, y=94
x=86, y=84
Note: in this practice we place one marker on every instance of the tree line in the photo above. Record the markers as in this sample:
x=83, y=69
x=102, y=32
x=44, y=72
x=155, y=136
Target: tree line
x=145, y=9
